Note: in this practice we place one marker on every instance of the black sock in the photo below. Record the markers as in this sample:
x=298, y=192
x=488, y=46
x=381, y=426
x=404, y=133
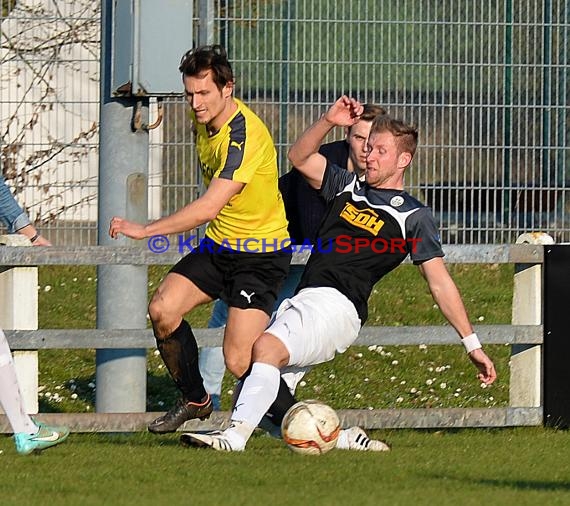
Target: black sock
x=245, y=374
x=179, y=351
x=282, y=404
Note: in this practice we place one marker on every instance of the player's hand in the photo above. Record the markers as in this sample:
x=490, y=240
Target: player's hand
x=344, y=112
x=127, y=228
x=41, y=241
x=487, y=373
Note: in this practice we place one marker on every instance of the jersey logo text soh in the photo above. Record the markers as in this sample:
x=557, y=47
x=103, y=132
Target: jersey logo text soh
x=366, y=219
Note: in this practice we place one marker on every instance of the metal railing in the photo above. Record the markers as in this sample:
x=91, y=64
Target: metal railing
x=525, y=335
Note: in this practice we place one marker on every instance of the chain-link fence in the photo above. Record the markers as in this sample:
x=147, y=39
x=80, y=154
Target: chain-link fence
x=487, y=83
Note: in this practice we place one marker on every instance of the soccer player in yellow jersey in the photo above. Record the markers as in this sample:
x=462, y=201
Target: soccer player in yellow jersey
x=245, y=255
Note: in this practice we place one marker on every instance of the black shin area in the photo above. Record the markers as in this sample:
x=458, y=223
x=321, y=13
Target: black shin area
x=245, y=374
x=282, y=404
x=179, y=351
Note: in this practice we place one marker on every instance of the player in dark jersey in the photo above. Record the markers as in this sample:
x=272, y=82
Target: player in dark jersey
x=369, y=229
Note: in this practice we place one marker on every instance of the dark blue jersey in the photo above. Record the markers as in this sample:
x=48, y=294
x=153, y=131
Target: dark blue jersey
x=366, y=233
x=304, y=206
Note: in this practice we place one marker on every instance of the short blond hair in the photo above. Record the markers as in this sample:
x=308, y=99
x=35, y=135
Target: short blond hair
x=406, y=134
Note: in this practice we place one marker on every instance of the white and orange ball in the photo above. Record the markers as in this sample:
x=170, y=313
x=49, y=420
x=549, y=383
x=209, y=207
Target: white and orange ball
x=310, y=427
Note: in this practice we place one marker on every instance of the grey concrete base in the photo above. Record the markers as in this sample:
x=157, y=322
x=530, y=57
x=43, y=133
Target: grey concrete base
x=368, y=419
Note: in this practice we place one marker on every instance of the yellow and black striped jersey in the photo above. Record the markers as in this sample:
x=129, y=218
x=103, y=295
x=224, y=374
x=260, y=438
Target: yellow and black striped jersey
x=243, y=150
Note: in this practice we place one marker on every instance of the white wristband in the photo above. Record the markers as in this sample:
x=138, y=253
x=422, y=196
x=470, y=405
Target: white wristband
x=471, y=342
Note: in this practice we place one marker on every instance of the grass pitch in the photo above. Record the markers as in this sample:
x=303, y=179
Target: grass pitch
x=524, y=466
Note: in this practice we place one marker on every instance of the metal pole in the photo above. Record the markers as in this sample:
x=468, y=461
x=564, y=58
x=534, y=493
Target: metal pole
x=121, y=289
x=562, y=174
x=508, y=105
x=206, y=31
x=288, y=12
x=224, y=24
x=546, y=98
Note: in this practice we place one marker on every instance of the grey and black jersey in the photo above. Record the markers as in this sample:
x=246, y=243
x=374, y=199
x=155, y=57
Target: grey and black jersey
x=365, y=234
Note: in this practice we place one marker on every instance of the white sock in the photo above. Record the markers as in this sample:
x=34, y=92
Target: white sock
x=238, y=434
x=10, y=397
x=342, y=441
x=258, y=393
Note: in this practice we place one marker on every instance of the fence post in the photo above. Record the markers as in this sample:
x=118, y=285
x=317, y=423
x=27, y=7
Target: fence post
x=123, y=191
x=19, y=311
x=556, y=377
x=526, y=360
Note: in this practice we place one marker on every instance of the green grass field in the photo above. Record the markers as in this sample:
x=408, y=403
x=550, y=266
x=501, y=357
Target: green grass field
x=523, y=467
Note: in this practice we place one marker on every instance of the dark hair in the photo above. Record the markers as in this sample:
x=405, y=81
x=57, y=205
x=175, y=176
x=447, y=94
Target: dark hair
x=370, y=112
x=200, y=59
x=406, y=134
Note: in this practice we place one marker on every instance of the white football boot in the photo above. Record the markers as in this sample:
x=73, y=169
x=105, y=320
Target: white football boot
x=216, y=440
x=356, y=439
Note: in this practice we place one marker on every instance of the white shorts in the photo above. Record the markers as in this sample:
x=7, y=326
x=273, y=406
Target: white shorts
x=315, y=324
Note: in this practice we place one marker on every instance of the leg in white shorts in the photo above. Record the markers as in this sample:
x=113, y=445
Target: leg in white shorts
x=314, y=325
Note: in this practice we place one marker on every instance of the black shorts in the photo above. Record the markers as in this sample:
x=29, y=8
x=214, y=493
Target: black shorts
x=242, y=280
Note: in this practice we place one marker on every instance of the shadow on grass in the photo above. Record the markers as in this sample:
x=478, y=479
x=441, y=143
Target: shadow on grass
x=161, y=392
x=137, y=439
x=519, y=484
x=524, y=484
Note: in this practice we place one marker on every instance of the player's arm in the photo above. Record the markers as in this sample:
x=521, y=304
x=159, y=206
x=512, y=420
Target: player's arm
x=304, y=153
x=446, y=294
x=198, y=212
x=33, y=235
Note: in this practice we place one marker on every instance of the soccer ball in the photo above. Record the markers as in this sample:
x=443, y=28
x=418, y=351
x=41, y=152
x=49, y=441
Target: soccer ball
x=310, y=427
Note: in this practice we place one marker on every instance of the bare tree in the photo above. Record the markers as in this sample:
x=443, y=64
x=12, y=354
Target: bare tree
x=49, y=53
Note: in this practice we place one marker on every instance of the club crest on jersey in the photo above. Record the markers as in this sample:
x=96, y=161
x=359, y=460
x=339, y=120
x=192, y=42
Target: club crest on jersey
x=396, y=201
x=367, y=219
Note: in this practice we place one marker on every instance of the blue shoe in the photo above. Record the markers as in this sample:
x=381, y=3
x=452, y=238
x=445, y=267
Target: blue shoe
x=216, y=402
x=45, y=437
x=270, y=428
